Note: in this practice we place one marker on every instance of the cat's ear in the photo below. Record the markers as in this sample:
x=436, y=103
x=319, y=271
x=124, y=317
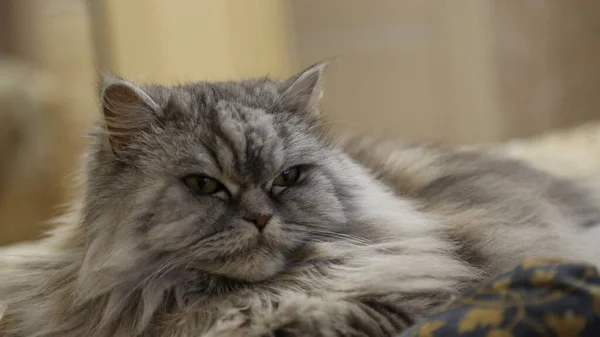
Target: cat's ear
x=126, y=109
x=304, y=90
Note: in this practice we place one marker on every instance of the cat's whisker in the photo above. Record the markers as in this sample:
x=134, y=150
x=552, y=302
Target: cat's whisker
x=321, y=230
x=313, y=230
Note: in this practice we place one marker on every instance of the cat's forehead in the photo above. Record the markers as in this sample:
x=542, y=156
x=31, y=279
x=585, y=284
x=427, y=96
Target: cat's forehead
x=188, y=101
x=237, y=129
x=245, y=140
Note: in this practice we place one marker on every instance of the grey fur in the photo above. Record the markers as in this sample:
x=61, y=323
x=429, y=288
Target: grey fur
x=372, y=237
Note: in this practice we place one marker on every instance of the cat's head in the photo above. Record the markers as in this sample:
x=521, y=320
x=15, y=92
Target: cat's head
x=230, y=178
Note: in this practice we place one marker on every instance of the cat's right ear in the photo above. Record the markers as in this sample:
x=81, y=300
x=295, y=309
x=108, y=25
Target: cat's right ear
x=126, y=109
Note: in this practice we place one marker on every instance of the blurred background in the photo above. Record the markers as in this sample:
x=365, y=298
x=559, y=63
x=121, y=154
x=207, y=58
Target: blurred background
x=465, y=72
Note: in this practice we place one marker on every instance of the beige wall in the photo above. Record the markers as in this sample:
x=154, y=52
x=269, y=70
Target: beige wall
x=413, y=69
x=47, y=102
x=548, y=63
x=455, y=71
x=198, y=40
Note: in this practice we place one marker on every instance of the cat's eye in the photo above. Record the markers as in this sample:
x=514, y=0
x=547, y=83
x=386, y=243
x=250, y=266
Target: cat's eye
x=203, y=185
x=288, y=177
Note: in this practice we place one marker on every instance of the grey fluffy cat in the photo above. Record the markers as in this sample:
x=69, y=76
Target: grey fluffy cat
x=223, y=209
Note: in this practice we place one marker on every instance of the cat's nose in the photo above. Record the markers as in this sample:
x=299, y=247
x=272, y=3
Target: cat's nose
x=260, y=221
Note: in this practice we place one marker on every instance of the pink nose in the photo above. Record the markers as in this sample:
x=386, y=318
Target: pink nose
x=260, y=221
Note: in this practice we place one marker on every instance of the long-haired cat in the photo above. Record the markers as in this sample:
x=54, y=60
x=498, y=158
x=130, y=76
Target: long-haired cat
x=224, y=209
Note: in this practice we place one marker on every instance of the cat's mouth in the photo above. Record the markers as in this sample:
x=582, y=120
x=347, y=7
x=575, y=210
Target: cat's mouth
x=254, y=256
x=261, y=257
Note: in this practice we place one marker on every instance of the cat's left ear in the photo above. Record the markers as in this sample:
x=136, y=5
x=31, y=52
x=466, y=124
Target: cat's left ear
x=304, y=90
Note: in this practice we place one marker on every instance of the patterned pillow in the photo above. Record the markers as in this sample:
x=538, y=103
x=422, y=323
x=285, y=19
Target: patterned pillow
x=551, y=298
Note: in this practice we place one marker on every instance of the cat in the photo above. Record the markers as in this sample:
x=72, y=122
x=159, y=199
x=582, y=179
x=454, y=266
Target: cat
x=227, y=209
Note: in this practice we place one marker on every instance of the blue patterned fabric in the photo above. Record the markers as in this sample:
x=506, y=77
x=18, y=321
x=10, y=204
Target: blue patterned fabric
x=549, y=298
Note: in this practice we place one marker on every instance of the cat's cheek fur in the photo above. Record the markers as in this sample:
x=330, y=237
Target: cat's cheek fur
x=177, y=219
x=314, y=203
x=175, y=235
x=108, y=262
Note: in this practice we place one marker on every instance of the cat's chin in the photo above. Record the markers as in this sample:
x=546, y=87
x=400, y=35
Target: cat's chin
x=256, y=268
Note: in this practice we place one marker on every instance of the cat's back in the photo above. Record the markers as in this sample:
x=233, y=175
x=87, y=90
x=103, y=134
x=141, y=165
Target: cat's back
x=429, y=170
x=485, y=197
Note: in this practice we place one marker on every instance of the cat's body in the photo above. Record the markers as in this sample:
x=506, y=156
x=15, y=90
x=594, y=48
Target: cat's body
x=294, y=236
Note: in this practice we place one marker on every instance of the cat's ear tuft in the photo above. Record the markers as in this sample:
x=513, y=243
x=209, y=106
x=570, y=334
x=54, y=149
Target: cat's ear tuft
x=126, y=109
x=304, y=90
